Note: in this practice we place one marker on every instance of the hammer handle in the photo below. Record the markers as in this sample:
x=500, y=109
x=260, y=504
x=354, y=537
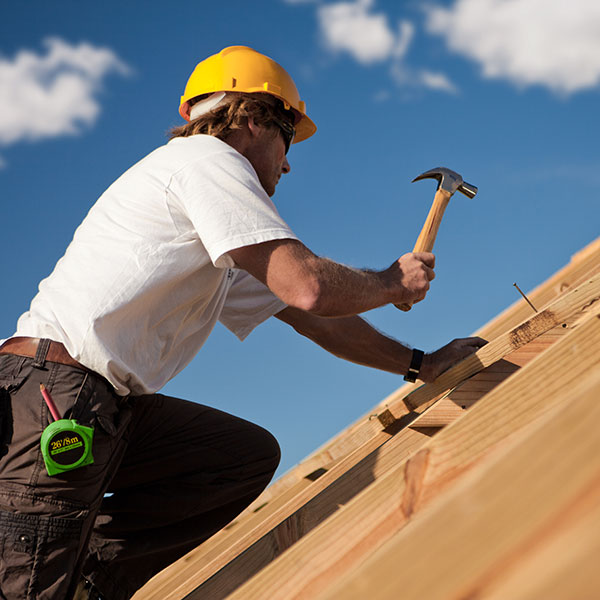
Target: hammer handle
x=426, y=238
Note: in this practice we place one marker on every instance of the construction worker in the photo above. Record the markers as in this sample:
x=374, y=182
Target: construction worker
x=186, y=237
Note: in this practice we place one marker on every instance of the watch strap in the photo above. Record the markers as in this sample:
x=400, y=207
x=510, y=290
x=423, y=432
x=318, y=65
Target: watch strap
x=415, y=366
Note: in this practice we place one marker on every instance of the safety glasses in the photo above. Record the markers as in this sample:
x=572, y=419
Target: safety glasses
x=288, y=131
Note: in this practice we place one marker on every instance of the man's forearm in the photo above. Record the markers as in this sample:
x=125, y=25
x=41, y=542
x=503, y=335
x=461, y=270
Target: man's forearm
x=352, y=339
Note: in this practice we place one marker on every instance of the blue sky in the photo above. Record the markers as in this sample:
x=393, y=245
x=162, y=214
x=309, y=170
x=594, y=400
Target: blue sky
x=505, y=92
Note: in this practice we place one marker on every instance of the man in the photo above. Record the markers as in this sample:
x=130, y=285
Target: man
x=184, y=238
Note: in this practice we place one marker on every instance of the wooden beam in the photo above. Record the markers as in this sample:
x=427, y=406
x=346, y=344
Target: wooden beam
x=489, y=522
x=357, y=434
x=560, y=312
x=583, y=265
x=338, y=545
x=564, y=566
x=463, y=396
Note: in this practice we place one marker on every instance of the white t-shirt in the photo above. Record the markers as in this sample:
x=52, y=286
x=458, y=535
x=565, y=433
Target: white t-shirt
x=147, y=275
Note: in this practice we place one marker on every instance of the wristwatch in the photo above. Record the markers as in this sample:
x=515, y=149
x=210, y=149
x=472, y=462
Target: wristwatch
x=415, y=366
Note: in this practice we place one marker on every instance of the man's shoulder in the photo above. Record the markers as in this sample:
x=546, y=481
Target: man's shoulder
x=205, y=153
x=178, y=155
x=197, y=146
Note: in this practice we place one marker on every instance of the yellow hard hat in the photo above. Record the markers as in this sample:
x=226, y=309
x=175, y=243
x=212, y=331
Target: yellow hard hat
x=242, y=69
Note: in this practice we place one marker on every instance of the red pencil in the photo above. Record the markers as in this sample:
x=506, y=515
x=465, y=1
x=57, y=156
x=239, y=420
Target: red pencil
x=50, y=402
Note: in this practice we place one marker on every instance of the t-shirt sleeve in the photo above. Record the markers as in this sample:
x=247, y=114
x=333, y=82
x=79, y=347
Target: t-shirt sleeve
x=249, y=302
x=227, y=205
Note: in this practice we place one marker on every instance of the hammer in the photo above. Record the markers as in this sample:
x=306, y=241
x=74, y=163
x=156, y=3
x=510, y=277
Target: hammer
x=448, y=183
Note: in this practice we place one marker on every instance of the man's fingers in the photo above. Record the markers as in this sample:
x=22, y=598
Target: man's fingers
x=430, y=273
x=427, y=258
x=475, y=341
x=469, y=345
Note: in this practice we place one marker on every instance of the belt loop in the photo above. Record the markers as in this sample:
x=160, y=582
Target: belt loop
x=42, y=352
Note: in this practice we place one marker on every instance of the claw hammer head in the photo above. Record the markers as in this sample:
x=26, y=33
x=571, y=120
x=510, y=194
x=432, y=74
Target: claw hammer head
x=449, y=181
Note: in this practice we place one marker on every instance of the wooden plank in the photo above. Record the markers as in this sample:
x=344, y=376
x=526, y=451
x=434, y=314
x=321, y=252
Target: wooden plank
x=464, y=395
x=453, y=405
x=583, y=265
x=353, y=437
x=564, y=567
x=493, y=516
x=558, y=313
x=341, y=542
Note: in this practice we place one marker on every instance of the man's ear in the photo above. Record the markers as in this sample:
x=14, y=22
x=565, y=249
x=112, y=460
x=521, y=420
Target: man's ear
x=254, y=129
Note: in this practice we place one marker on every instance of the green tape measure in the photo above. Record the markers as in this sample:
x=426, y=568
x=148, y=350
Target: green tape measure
x=66, y=445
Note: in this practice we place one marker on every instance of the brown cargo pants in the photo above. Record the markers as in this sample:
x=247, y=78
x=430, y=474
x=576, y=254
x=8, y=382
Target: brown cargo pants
x=178, y=472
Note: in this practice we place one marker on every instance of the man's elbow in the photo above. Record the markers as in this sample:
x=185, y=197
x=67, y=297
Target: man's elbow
x=310, y=298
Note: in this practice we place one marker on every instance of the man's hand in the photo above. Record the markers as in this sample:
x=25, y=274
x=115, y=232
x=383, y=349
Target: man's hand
x=410, y=275
x=441, y=360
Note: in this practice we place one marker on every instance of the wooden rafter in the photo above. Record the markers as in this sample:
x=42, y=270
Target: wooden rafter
x=378, y=513
x=500, y=514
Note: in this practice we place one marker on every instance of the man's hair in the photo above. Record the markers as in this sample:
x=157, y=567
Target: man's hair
x=219, y=122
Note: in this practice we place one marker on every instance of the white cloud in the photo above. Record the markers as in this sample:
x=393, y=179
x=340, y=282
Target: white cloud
x=405, y=38
x=354, y=28
x=437, y=81
x=553, y=43
x=409, y=78
x=54, y=94
x=368, y=37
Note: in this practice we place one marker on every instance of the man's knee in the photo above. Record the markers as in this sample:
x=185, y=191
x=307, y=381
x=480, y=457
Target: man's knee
x=271, y=449
x=259, y=449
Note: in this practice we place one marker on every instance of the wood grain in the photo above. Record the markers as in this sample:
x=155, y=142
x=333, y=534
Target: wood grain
x=488, y=523
x=341, y=542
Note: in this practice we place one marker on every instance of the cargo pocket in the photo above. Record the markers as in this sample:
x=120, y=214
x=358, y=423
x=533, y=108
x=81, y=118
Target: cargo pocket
x=6, y=425
x=99, y=407
x=36, y=553
x=14, y=370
